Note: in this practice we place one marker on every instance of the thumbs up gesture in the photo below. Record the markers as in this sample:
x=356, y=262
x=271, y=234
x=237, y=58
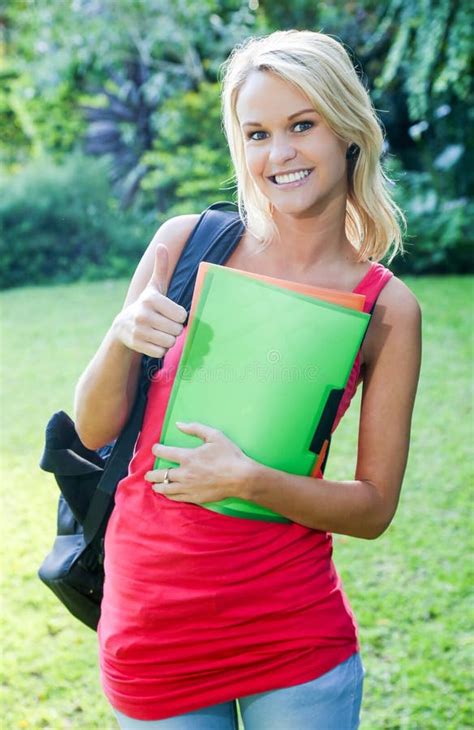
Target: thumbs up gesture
x=151, y=324
x=159, y=277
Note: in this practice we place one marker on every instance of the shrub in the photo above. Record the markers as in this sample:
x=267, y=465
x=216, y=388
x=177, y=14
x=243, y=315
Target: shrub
x=60, y=223
x=189, y=165
x=440, y=229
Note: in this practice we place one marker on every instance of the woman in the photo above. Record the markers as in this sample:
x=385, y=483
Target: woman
x=201, y=608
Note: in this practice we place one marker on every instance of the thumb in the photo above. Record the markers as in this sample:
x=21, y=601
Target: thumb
x=159, y=276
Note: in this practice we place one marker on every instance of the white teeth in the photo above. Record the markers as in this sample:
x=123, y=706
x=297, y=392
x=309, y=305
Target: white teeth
x=292, y=177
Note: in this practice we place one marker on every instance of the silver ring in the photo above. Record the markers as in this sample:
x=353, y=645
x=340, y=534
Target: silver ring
x=166, y=479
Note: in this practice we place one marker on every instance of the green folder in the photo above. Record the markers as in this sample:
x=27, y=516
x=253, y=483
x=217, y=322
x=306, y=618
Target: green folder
x=267, y=366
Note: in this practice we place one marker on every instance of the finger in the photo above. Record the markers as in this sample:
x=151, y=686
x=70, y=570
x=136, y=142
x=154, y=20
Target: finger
x=159, y=281
x=163, y=324
x=162, y=305
x=206, y=433
x=177, y=454
x=159, y=277
x=157, y=475
x=156, y=478
x=156, y=347
x=171, y=490
x=152, y=350
x=160, y=339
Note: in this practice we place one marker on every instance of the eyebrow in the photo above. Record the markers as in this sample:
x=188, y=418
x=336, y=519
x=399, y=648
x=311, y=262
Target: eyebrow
x=296, y=114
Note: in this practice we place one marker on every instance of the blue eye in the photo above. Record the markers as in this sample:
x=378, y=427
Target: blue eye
x=308, y=123
x=251, y=135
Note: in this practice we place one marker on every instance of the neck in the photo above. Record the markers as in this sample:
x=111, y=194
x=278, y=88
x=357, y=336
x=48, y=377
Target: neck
x=312, y=240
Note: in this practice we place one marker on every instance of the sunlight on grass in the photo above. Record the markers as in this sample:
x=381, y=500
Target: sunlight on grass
x=409, y=589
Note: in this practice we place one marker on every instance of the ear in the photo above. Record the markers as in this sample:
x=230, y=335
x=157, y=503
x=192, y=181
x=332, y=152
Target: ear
x=352, y=151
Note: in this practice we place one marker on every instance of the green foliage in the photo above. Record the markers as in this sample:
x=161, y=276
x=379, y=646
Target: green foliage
x=57, y=124
x=440, y=235
x=410, y=590
x=190, y=161
x=440, y=231
x=138, y=85
x=430, y=51
x=39, y=110
x=130, y=57
x=14, y=137
x=60, y=222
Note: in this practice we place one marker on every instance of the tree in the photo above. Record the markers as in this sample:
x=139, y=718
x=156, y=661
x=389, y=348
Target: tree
x=130, y=57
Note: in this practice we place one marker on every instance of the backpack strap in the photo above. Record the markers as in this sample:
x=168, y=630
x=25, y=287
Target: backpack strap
x=213, y=239
x=380, y=276
x=215, y=236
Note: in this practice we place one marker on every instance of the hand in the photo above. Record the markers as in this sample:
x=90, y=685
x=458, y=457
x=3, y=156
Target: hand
x=153, y=322
x=208, y=473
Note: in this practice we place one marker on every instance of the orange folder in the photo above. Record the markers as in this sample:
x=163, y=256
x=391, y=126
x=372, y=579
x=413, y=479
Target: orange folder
x=343, y=298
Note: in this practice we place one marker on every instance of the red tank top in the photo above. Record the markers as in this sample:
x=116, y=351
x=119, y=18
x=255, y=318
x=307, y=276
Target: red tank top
x=201, y=608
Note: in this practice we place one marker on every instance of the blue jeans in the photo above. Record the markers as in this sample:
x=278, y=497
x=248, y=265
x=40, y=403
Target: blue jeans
x=330, y=702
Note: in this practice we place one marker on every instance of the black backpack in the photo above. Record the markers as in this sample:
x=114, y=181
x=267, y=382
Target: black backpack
x=87, y=479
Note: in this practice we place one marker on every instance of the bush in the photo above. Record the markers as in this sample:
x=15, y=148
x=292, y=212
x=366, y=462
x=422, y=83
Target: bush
x=189, y=165
x=60, y=223
x=440, y=229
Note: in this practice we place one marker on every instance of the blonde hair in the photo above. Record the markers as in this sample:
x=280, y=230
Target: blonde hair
x=319, y=66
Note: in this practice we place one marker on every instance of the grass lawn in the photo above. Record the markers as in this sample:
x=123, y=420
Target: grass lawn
x=410, y=589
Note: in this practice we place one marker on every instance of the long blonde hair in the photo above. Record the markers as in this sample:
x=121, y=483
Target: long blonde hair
x=319, y=66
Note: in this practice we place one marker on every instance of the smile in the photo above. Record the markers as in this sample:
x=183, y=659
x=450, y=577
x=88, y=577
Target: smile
x=292, y=179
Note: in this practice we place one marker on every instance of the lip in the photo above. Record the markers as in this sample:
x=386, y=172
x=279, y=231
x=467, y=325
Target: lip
x=295, y=183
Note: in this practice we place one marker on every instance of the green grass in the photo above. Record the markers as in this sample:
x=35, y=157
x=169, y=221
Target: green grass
x=409, y=589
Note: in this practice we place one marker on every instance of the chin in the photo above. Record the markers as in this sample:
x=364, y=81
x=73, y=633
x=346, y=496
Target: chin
x=296, y=209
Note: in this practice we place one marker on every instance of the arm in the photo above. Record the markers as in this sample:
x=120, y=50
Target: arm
x=365, y=506
x=148, y=323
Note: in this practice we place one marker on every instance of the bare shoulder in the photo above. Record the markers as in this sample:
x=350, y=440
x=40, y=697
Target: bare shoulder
x=396, y=321
x=173, y=234
x=177, y=227
x=399, y=301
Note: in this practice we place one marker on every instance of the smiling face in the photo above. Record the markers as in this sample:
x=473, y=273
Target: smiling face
x=296, y=161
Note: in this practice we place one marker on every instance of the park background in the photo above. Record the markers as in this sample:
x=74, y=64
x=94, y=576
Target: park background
x=109, y=124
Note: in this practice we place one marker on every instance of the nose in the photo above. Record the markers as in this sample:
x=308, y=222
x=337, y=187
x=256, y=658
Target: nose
x=281, y=150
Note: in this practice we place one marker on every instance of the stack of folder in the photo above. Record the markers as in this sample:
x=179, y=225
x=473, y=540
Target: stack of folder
x=266, y=362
